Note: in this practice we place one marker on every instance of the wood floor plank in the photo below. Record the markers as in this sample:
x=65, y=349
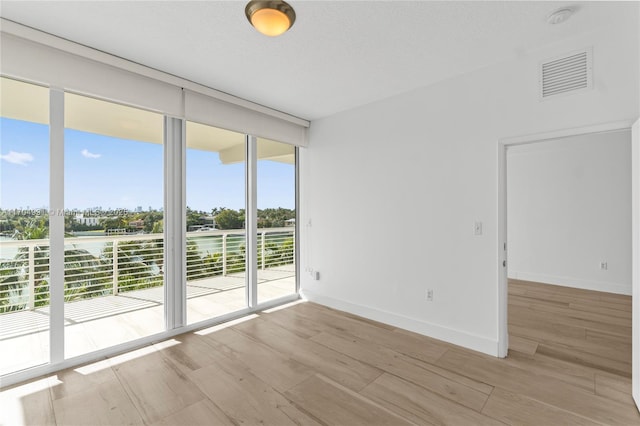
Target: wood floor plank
x=539, y=301
x=155, y=385
x=567, y=295
x=80, y=379
x=572, y=374
x=420, y=405
x=408, y=368
x=188, y=352
x=244, y=398
x=334, y=404
x=412, y=345
x=561, y=310
x=543, y=389
x=273, y=367
x=605, y=339
x=104, y=404
x=516, y=409
x=597, y=360
x=341, y=368
x=202, y=413
x=530, y=318
x=543, y=327
x=295, y=321
x=522, y=345
x=613, y=387
x=559, y=292
x=615, y=351
x=340, y=315
x=598, y=308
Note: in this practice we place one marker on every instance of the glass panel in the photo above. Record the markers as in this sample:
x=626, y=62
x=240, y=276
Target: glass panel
x=216, y=240
x=24, y=225
x=114, y=243
x=276, y=220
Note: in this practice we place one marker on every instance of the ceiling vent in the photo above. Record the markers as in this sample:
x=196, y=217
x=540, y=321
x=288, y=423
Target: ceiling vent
x=569, y=73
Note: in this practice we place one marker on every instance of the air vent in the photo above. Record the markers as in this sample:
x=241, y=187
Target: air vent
x=567, y=74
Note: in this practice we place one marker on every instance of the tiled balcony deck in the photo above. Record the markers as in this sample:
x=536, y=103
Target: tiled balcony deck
x=101, y=322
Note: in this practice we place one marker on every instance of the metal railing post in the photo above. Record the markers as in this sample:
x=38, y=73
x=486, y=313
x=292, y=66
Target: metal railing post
x=32, y=277
x=115, y=267
x=224, y=255
x=262, y=249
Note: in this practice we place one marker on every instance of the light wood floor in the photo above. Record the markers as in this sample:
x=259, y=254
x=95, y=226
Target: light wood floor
x=584, y=327
x=309, y=365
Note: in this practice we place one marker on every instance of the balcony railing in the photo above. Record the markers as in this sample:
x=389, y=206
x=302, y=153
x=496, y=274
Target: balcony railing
x=109, y=265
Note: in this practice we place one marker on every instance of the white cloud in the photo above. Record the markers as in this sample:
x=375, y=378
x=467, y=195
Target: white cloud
x=21, y=158
x=87, y=154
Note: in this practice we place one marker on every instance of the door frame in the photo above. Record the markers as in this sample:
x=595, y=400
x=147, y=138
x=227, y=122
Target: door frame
x=503, y=144
x=635, y=261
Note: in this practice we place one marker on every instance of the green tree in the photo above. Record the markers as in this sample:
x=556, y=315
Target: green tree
x=274, y=218
x=150, y=221
x=119, y=222
x=230, y=219
x=158, y=227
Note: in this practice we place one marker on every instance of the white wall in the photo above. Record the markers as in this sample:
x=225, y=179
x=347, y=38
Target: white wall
x=393, y=188
x=569, y=208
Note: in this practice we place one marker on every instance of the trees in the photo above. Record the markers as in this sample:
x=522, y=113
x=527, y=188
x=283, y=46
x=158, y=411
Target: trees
x=119, y=222
x=230, y=219
x=158, y=227
x=274, y=218
x=151, y=220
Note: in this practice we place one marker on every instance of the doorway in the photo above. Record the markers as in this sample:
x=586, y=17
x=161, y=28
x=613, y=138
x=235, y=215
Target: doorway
x=503, y=248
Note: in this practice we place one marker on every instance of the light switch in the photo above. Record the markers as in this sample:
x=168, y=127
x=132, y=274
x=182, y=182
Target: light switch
x=477, y=228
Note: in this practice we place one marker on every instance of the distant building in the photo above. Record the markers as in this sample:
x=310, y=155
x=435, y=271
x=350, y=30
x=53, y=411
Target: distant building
x=290, y=222
x=209, y=221
x=88, y=221
x=136, y=224
x=205, y=223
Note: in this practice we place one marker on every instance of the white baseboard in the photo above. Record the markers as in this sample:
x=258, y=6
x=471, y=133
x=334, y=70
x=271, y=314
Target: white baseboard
x=456, y=337
x=572, y=282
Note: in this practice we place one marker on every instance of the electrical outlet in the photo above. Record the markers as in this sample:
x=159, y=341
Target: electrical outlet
x=429, y=295
x=604, y=266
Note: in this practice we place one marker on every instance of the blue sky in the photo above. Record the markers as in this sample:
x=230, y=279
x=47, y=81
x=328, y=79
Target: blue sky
x=107, y=172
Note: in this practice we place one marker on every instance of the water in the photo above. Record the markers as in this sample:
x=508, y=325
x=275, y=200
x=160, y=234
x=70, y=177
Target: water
x=7, y=252
x=205, y=244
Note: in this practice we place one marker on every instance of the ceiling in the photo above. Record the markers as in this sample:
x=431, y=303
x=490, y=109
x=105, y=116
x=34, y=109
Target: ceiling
x=337, y=56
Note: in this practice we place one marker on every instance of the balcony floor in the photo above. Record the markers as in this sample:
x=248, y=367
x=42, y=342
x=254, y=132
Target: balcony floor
x=101, y=322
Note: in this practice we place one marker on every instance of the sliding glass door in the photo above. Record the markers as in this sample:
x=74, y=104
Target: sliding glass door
x=86, y=261
x=276, y=205
x=114, y=244
x=215, y=222
x=24, y=226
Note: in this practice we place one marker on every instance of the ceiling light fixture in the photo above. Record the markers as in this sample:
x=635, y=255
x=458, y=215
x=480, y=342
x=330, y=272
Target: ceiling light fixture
x=559, y=16
x=271, y=18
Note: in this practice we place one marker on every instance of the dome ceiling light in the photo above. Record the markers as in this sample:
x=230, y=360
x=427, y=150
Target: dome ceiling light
x=272, y=18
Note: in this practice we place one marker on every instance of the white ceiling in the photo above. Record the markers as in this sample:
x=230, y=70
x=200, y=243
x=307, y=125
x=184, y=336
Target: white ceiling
x=338, y=55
